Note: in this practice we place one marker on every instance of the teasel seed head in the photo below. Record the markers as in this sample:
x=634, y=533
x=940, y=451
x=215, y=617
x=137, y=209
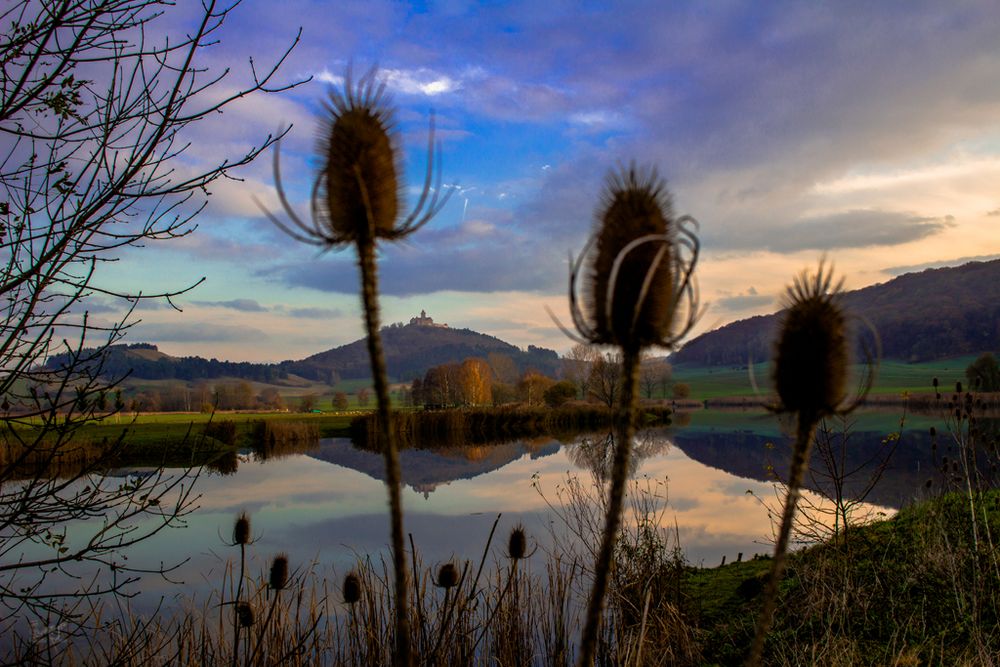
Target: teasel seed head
x=517, y=543
x=357, y=194
x=811, y=357
x=352, y=588
x=359, y=187
x=241, y=529
x=447, y=576
x=279, y=572
x=958, y=387
x=636, y=205
x=244, y=614
x=639, y=288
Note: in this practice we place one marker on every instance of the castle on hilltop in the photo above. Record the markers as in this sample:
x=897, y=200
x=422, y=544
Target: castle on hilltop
x=424, y=321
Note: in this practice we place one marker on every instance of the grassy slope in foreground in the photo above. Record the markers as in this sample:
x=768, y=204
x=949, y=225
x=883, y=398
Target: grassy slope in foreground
x=913, y=589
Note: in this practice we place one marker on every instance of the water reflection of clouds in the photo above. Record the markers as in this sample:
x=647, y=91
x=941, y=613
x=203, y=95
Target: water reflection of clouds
x=319, y=510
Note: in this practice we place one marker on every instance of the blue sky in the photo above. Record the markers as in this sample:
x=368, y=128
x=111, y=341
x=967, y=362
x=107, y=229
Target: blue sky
x=866, y=131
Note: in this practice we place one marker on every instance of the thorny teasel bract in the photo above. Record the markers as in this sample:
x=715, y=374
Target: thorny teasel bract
x=357, y=192
x=811, y=353
x=640, y=260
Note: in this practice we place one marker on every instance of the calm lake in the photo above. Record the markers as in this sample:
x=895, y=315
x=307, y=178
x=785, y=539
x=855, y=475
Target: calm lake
x=326, y=506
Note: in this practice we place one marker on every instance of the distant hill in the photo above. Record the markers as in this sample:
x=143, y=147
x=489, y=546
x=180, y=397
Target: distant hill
x=409, y=350
x=413, y=348
x=145, y=361
x=933, y=314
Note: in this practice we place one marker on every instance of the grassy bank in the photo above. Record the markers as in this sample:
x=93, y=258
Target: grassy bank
x=168, y=430
x=171, y=440
x=894, y=377
x=920, y=588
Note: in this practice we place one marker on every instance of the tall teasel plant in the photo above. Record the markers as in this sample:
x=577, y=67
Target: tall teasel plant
x=811, y=357
x=357, y=199
x=640, y=292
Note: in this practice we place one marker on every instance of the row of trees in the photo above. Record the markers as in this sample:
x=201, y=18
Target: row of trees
x=587, y=373
x=204, y=397
x=597, y=374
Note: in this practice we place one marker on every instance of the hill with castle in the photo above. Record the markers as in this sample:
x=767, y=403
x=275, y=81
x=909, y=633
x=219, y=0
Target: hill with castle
x=410, y=349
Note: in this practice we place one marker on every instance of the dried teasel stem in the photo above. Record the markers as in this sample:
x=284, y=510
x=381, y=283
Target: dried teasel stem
x=800, y=462
x=393, y=481
x=641, y=292
x=357, y=201
x=810, y=373
x=624, y=431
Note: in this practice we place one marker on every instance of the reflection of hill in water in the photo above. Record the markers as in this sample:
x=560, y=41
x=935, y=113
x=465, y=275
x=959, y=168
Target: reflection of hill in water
x=745, y=453
x=425, y=469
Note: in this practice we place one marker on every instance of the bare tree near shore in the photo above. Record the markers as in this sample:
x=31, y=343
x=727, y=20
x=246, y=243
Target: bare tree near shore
x=93, y=118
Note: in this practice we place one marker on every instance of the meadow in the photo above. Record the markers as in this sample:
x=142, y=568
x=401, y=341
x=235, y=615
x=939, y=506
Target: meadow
x=893, y=377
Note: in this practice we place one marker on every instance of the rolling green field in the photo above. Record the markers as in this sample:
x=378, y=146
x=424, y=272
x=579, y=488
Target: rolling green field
x=893, y=377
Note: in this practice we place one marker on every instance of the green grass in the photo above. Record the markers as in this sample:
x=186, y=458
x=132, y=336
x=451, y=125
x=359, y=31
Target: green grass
x=894, y=377
x=912, y=588
x=881, y=420
x=168, y=429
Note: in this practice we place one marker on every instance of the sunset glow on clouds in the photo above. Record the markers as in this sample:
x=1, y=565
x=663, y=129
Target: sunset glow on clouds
x=869, y=132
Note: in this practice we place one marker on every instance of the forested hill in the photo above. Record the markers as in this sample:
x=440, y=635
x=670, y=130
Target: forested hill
x=409, y=350
x=923, y=316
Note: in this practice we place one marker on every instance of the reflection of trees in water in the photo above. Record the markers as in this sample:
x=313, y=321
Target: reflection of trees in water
x=596, y=452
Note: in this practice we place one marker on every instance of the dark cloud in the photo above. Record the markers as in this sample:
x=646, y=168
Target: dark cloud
x=242, y=305
x=476, y=256
x=474, y=268
x=315, y=313
x=743, y=301
x=98, y=306
x=195, y=332
x=749, y=108
x=911, y=268
x=850, y=229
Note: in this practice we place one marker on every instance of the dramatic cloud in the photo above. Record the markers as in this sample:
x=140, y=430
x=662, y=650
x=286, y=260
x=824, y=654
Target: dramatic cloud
x=194, y=332
x=477, y=268
x=315, y=313
x=741, y=302
x=852, y=229
x=421, y=81
x=787, y=129
x=911, y=268
x=242, y=305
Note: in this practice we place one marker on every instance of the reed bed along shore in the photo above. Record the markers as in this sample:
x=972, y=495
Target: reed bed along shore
x=482, y=425
x=213, y=444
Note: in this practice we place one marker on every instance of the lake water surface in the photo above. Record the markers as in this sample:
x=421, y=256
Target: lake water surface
x=327, y=506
